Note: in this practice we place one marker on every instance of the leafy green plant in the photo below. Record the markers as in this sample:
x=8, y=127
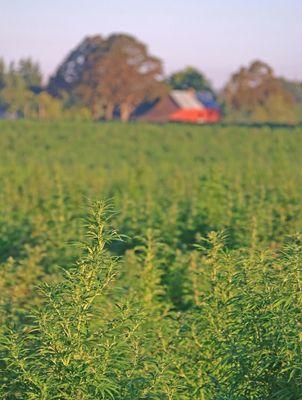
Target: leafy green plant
x=61, y=356
x=202, y=298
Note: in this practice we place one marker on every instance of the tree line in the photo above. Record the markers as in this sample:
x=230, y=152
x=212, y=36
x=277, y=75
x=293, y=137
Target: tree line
x=110, y=78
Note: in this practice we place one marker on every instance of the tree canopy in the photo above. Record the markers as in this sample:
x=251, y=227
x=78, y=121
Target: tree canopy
x=108, y=75
x=2, y=74
x=189, y=78
x=31, y=74
x=70, y=71
x=15, y=94
x=257, y=94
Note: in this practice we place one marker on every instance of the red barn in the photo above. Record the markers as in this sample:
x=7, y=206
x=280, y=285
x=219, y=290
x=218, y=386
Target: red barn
x=184, y=106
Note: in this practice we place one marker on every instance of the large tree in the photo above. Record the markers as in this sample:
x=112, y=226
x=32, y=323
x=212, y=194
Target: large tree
x=116, y=74
x=70, y=72
x=255, y=93
x=189, y=78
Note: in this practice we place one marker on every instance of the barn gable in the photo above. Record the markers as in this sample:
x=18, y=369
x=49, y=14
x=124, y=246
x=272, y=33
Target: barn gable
x=161, y=111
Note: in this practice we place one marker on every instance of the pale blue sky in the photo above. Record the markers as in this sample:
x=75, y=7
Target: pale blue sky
x=216, y=36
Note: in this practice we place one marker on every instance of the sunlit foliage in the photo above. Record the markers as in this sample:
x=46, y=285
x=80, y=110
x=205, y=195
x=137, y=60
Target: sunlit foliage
x=184, y=282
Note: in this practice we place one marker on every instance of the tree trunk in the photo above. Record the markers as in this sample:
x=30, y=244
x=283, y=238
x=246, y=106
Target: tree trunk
x=109, y=112
x=125, y=112
x=25, y=110
x=41, y=112
x=95, y=111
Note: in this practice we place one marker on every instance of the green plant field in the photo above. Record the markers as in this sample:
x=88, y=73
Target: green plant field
x=150, y=262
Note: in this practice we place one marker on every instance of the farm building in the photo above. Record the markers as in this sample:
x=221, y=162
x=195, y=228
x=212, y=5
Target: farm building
x=184, y=106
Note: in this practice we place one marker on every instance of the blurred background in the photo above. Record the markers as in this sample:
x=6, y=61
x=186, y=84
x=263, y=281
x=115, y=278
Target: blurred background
x=232, y=61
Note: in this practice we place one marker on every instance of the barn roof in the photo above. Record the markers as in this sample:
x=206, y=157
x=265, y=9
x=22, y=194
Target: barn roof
x=186, y=99
x=208, y=100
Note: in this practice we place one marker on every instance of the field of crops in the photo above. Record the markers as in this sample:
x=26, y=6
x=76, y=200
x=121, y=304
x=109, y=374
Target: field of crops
x=150, y=262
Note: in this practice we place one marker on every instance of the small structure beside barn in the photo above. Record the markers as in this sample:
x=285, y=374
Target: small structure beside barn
x=184, y=106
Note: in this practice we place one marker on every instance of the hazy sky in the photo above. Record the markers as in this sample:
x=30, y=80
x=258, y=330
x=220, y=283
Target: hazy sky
x=216, y=36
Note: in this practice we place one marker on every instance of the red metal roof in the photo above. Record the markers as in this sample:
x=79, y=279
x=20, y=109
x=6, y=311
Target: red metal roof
x=195, y=116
